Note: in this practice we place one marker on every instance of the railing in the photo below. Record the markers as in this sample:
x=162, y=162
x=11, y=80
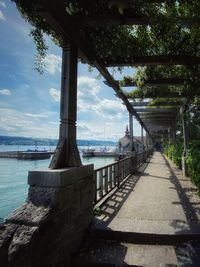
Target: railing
x=110, y=176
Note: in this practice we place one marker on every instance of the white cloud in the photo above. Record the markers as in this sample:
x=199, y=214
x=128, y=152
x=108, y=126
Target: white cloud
x=36, y=116
x=89, y=100
x=55, y=94
x=13, y=122
x=2, y=4
x=111, y=109
x=53, y=63
x=5, y=92
x=2, y=17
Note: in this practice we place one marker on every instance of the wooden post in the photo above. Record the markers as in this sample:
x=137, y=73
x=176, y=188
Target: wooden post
x=142, y=136
x=185, y=135
x=185, y=151
x=66, y=154
x=131, y=131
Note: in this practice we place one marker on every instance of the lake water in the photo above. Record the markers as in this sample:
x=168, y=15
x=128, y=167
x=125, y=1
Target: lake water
x=13, y=177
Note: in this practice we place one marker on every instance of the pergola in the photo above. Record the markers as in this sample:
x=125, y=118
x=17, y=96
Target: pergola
x=77, y=26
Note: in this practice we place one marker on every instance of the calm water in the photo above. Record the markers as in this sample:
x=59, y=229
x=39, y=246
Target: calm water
x=13, y=177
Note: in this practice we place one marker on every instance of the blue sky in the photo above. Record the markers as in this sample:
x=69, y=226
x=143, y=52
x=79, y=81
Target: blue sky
x=29, y=102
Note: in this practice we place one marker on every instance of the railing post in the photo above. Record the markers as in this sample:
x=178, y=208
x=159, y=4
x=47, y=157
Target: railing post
x=101, y=183
x=106, y=180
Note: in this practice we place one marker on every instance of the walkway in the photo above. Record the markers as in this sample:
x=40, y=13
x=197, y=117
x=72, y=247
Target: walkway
x=152, y=220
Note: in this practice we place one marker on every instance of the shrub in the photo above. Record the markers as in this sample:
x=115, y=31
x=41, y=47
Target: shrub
x=193, y=163
x=174, y=152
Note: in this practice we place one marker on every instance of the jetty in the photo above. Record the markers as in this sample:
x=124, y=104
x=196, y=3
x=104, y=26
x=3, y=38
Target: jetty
x=26, y=154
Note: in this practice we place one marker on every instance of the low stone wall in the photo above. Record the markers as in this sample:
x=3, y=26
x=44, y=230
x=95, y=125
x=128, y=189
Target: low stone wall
x=49, y=227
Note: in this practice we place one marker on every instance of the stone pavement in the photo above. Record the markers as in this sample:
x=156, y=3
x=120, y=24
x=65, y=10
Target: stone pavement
x=160, y=202
x=152, y=220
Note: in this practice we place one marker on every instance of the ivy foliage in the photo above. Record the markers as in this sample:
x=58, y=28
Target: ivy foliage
x=175, y=152
x=29, y=11
x=193, y=163
x=173, y=27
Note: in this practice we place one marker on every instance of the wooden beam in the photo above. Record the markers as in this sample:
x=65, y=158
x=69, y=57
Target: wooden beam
x=155, y=110
x=160, y=94
x=144, y=104
x=99, y=20
x=156, y=82
x=155, y=60
x=155, y=115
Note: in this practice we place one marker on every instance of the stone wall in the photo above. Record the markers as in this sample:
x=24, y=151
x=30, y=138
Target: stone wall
x=49, y=227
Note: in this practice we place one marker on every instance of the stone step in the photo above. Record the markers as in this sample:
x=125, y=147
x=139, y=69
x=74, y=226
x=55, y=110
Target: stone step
x=144, y=238
x=118, y=254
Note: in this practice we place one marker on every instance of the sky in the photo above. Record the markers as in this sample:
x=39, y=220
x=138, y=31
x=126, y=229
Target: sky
x=29, y=101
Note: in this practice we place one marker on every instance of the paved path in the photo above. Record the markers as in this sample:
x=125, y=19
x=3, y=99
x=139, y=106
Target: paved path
x=160, y=202
x=152, y=220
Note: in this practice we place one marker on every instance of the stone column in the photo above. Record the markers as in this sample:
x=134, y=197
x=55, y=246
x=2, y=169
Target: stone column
x=66, y=154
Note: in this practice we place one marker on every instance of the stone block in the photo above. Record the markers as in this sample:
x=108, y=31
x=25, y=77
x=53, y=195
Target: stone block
x=86, y=201
x=87, y=217
x=59, y=177
x=44, y=196
x=86, y=189
x=76, y=206
x=66, y=196
x=79, y=184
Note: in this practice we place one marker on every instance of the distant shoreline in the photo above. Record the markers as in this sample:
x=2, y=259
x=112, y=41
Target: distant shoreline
x=17, y=140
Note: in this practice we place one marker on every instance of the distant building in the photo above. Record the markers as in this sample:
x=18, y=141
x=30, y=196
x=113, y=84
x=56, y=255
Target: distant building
x=124, y=144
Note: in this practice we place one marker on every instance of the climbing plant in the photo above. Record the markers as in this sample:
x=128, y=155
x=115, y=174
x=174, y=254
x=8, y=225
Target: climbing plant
x=173, y=27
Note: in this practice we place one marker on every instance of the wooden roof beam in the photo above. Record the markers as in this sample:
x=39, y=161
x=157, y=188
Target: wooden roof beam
x=94, y=21
x=144, y=104
x=155, y=60
x=155, y=82
x=155, y=110
x=159, y=94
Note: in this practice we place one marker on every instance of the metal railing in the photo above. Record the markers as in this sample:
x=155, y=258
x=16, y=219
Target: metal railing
x=110, y=176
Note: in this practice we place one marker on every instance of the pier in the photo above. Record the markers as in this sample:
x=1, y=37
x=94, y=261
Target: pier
x=26, y=154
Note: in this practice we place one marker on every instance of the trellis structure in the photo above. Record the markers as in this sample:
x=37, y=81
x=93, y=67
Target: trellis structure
x=104, y=34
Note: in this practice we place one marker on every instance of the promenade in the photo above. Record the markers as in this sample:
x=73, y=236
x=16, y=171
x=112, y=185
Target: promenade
x=152, y=220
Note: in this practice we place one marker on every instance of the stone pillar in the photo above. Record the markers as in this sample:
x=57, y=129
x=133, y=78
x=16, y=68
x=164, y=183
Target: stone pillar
x=66, y=154
x=185, y=139
x=50, y=226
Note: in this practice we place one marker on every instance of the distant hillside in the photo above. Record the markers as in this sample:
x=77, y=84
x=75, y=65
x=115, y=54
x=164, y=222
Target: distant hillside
x=18, y=140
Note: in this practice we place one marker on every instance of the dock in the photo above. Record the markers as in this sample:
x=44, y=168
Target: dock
x=26, y=154
x=98, y=153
